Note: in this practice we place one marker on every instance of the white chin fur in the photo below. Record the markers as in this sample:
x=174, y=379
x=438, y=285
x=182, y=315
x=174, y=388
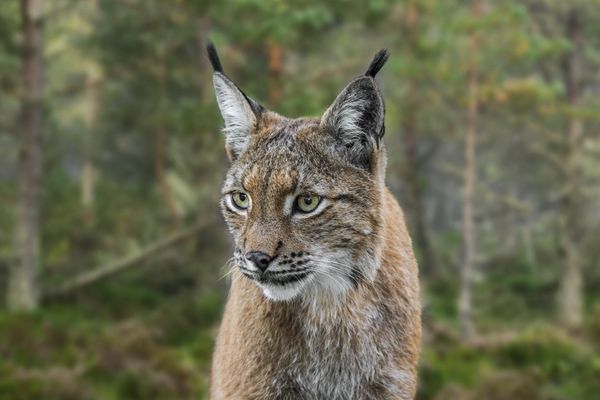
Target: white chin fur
x=283, y=293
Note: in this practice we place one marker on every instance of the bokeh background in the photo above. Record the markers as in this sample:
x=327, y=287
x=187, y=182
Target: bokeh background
x=112, y=249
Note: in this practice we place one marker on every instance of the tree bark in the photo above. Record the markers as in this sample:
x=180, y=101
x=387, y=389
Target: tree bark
x=414, y=181
x=91, y=98
x=88, y=175
x=22, y=294
x=570, y=296
x=412, y=173
x=465, y=306
x=275, y=64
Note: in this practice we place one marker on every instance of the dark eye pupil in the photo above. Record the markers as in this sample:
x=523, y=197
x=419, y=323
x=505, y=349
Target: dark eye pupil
x=308, y=200
x=242, y=197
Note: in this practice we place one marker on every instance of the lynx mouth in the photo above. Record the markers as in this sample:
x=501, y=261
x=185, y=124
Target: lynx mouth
x=276, y=278
x=286, y=279
x=280, y=285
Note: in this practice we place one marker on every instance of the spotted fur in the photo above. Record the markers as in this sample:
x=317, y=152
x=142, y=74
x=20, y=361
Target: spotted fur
x=336, y=314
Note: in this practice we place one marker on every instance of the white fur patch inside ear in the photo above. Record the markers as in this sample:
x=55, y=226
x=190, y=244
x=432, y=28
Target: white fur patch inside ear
x=356, y=119
x=347, y=117
x=236, y=111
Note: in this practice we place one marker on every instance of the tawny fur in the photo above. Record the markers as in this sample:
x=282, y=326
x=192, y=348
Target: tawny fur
x=336, y=315
x=366, y=348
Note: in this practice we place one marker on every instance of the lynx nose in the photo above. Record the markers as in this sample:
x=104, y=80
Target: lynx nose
x=260, y=259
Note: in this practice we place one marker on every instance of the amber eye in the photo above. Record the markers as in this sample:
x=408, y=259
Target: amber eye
x=307, y=202
x=240, y=200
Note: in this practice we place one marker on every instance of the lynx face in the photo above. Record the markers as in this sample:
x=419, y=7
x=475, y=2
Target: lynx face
x=302, y=196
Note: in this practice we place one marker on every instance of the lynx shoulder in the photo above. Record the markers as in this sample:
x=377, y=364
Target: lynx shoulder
x=324, y=298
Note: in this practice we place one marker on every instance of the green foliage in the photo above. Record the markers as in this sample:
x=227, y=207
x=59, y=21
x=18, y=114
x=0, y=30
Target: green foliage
x=123, y=73
x=67, y=352
x=541, y=363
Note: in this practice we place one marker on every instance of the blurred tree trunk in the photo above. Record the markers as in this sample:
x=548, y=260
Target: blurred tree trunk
x=414, y=181
x=22, y=282
x=275, y=63
x=202, y=38
x=92, y=82
x=161, y=141
x=465, y=306
x=88, y=175
x=412, y=164
x=570, y=297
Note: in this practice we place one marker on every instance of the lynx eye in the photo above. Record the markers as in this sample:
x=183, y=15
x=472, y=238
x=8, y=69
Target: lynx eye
x=240, y=200
x=307, y=202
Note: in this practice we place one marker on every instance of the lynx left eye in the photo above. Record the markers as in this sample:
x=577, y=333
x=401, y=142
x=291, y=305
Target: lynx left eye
x=240, y=200
x=306, y=203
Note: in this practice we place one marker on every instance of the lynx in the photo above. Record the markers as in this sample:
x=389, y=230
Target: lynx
x=324, y=296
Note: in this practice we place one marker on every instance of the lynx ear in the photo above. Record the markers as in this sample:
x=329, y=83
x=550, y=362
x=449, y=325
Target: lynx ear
x=355, y=120
x=239, y=112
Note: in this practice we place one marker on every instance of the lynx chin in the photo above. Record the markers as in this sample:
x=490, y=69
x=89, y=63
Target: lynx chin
x=324, y=298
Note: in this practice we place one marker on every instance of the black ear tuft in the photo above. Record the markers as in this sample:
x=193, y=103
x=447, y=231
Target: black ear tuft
x=377, y=63
x=213, y=56
x=240, y=113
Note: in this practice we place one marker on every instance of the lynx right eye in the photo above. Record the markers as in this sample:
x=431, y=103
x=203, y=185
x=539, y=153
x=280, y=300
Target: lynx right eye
x=307, y=203
x=240, y=200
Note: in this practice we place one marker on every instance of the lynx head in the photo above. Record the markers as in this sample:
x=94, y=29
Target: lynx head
x=303, y=196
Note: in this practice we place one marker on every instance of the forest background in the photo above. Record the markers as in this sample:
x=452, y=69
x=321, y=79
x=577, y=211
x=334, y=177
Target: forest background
x=112, y=248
